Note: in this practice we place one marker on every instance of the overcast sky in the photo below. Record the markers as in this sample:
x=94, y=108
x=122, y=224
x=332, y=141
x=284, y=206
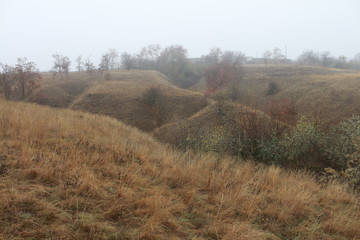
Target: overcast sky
x=38, y=28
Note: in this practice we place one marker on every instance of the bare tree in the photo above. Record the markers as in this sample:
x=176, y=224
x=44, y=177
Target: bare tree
x=277, y=55
x=266, y=56
x=214, y=56
x=89, y=66
x=6, y=80
x=79, y=63
x=128, y=61
x=61, y=65
x=309, y=58
x=25, y=74
x=113, y=56
x=148, y=57
x=326, y=60
x=104, y=65
x=172, y=62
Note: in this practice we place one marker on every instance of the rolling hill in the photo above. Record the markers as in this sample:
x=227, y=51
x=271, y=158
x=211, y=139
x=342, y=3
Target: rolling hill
x=329, y=94
x=73, y=175
x=123, y=97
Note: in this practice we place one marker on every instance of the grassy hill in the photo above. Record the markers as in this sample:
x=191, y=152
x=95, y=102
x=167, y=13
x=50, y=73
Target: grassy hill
x=73, y=175
x=61, y=93
x=221, y=127
x=329, y=94
x=123, y=97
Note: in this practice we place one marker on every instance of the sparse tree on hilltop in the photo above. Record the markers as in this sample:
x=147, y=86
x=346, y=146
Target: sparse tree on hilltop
x=61, y=65
x=326, y=60
x=79, y=63
x=104, y=65
x=172, y=62
x=89, y=66
x=148, y=57
x=113, y=58
x=25, y=74
x=128, y=61
x=6, y=80
x=214, y=56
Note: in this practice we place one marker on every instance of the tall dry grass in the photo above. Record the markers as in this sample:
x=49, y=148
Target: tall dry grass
x=72, y=175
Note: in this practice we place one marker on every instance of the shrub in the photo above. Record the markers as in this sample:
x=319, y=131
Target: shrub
x=343, y=151
x=272, y=88
x=152, y=96
x=296, y=148
x=283, y=110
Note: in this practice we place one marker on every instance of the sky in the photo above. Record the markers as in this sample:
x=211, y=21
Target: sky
x=37, y=29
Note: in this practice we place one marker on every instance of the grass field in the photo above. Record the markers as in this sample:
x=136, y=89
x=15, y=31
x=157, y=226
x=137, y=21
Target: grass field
x=73, y=175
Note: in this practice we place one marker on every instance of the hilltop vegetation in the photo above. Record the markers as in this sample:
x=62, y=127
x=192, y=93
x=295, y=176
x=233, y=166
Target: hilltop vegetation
x=73, y=175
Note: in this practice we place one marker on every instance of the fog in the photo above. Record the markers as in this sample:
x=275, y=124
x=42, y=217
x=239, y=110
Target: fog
x=37, y=29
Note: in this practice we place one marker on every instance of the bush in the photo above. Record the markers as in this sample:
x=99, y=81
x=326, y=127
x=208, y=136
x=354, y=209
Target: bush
x=272, y=88
x=152, y=96
x=298, y=147
x=343, y=151
x=283, y=110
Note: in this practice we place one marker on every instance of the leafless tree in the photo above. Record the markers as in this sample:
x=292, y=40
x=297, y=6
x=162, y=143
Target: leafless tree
x=148, y=57
x=113, y=56
x=266, y=56
x=172, y=62
x=326, y=60
x=277, y=55
x=309, y=58
x=104, y=65
x=6, y=80
x=89, y=66
x=214, y=56
x=128, y=61
x=79, y=63
x=61, y=65
x=25, y=74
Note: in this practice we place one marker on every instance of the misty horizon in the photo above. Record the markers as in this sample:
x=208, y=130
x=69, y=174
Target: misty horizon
x=39, y=29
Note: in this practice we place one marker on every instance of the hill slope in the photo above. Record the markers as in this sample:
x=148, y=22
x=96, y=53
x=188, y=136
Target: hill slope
x=72, y=175
x=123, y=99
x=331, y=94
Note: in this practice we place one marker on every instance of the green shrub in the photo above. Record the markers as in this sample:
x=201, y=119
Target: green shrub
x=343, y=151
x=300, y=145
x=152, y=96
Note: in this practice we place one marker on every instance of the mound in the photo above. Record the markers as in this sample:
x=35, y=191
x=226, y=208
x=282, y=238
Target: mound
x=330, y=94
x=145, y=99
x=61, y=93
x=221, y=127
x=72, y=175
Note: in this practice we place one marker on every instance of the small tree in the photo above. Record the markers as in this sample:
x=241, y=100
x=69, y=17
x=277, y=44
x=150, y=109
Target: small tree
x=25, y=74
x=113, y=56
x=104, y=65
x=79, y=63
x=309, y=58
x=89, y=66
x=61, y=65
x=6, y=80
x=128, y=61
x=172, y=62
x=266, y=56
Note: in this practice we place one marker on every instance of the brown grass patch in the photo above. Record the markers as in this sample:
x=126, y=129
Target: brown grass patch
x=72, y=175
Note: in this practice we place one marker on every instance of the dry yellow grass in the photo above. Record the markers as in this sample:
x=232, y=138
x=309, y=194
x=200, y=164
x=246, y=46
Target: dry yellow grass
x=73, y=175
